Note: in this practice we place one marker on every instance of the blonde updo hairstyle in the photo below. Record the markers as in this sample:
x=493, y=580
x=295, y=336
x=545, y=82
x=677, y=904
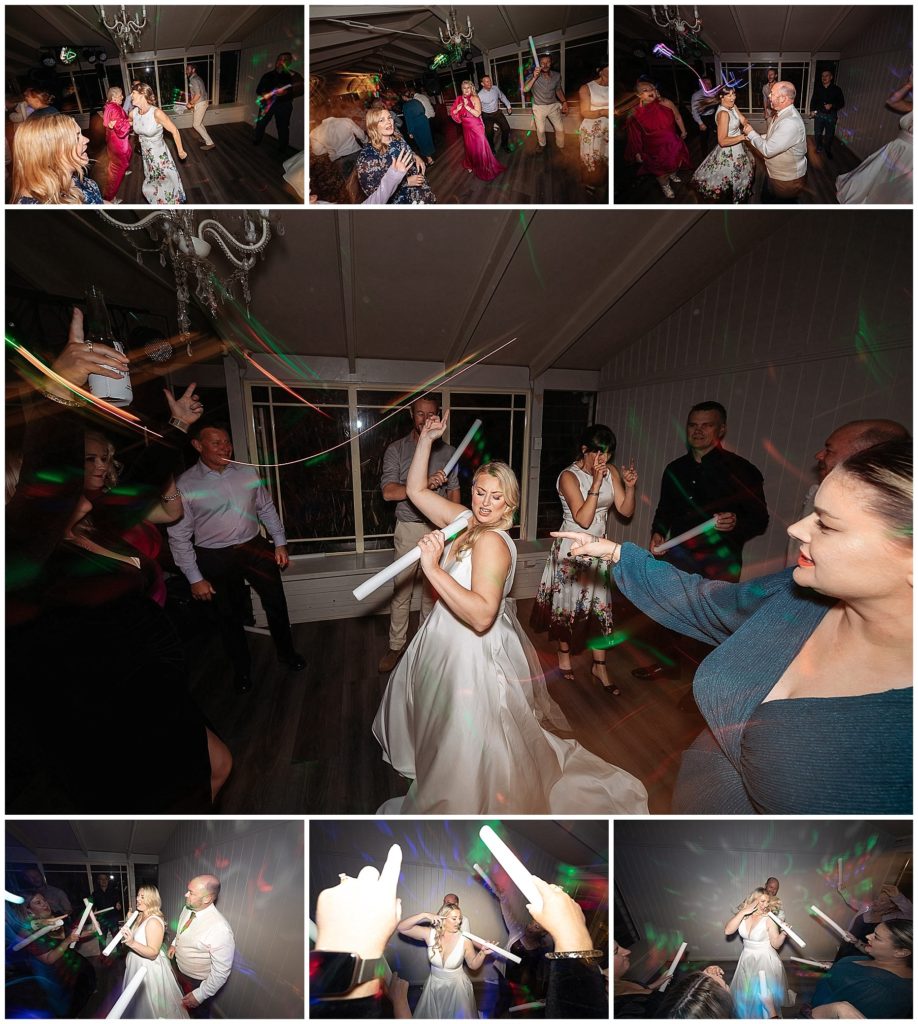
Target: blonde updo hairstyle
x=153, y=900
x=510, y=489
x=774, y=904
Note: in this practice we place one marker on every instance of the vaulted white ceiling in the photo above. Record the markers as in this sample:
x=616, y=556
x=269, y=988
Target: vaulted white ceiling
x=748, y=28
x=573, y=287
x=359, y=38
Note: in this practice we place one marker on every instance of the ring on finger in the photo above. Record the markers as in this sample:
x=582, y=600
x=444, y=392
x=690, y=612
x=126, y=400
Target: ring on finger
x=89, y=346
x=342, y=876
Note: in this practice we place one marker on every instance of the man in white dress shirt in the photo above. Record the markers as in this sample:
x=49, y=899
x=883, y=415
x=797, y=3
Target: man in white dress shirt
x=203, y=947
x=338, y=137
x=784, y=147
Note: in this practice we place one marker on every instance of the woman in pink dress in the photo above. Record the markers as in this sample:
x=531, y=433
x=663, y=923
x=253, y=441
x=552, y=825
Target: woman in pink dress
x=117, y=139
x=655, y=138
x=466, y=110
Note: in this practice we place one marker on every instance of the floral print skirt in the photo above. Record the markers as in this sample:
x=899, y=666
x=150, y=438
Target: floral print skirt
x=726, y=175
x=574, y=599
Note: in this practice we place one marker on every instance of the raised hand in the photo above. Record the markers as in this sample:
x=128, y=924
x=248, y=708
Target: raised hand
x=81, y=358
x=437, y=480
x=724, y=522
x=404, y=161
x=187, y=407
x=629, y=474
x=434, y=427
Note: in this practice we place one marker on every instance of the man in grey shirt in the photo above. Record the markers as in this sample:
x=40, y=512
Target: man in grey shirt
x=198, y=100
x=410, y=525
x=548, y=102
x=491, y=100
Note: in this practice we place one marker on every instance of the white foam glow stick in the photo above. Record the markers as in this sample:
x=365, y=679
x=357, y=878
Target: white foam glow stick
x=104, y=910
x=36, y=935
x=11, y=897
x=409, y=558
x=313, y=931
x=695, y=531
x=461, y=447
x=109, y=949
x=535, y=56
x=128, y=994
x=95, y=924
x=484, y=877
x=494, y=949
x=839, y=867
x=509, y=861
x=821, y=964
x=786, y=928
x=828, y=920
x=763, y=991
x=671, y=970
x=537, y=1005
x=86, y=911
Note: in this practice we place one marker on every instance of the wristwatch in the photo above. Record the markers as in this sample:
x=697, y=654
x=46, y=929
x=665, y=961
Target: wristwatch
x=333, y=974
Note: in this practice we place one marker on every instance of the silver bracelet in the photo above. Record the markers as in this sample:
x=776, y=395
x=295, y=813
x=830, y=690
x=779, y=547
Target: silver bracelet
x=171, y=497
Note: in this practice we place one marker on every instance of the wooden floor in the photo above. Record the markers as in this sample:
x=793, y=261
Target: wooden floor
x=234, y=172
x=302, y=742
x=820, y=179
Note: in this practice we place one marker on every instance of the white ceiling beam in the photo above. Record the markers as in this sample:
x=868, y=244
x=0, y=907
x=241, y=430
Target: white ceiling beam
x=13, y=830
x=130, y=845
x=508, y=21
x=735, y=14
x=206, y=12
x=77, y=830
x=322, y=13
x=347, y=279
x=509, y=239
x=833, y=24
x=621, y=274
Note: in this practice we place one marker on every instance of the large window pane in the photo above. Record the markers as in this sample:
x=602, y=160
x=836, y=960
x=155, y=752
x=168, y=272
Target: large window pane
x=229, y=75
x=565, y=415
x=118, y=884
x=582, y=59
x=378, y=514
x=507, y=75
x=72, y=878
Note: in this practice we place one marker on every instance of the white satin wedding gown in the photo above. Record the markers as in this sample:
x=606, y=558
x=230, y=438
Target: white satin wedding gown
x=758, y=955
x=447, y=993
x=159, y=995
x=463, y=717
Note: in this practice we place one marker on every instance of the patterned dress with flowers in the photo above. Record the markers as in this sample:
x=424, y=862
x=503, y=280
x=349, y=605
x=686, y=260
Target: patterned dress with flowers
x=594, y=133
x=371, y=169
x=162, y=185
x=574, y=598
x=727, y=173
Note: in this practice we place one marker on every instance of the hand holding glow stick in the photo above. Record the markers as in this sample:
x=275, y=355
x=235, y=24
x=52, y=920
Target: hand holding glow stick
x=109, y=949
x=461, y=447
x=409, y=558
x=532, y=48
x=696, y=531
x=86, y=911
x=505, y=953
x=537, y=1005
x=128, y=994
x=671, y=970
x=839, y=872
x=37, y=935
x=509, y=861
x=786, y=928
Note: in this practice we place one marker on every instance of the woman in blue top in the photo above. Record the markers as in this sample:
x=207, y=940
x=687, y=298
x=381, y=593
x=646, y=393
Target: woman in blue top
x=879, y=987
x=812, y=674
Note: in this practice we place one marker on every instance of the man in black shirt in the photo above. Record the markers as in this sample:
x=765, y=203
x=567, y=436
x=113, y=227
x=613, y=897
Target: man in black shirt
x=274, y=97
x=827, y=100
x=106, y=898
x=708, y=482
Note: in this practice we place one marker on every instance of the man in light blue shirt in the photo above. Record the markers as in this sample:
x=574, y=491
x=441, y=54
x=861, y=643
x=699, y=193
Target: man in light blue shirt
x=491, y=99
x=218, y=547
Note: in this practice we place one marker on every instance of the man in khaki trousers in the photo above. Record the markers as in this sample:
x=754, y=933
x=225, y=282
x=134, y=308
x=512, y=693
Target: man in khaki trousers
x=410, y=525
x=198, y=102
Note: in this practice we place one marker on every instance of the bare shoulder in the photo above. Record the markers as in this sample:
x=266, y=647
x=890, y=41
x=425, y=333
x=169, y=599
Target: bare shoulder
x=492, y=548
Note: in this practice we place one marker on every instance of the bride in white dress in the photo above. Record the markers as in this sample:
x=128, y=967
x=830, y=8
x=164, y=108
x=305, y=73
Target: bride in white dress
x=464, y=710
x=761, y=940
x=886, y=175
x=159, y=995
x=447, y=993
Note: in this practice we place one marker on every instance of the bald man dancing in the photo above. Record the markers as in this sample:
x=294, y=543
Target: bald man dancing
x=203, y=948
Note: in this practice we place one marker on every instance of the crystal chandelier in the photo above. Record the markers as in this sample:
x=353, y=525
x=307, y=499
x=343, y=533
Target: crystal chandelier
x=671, y=20
x=125, y=29
x=185, y=243
x=454, y=36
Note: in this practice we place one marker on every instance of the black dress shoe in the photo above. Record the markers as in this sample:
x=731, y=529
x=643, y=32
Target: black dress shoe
x=242, y=683
x=294, y=662
x=655, y=671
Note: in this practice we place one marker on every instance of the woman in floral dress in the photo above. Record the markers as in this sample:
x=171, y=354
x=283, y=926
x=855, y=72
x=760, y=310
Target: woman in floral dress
x=727, y=173
x=162, y=185
x=574, y=598
x=594, y=130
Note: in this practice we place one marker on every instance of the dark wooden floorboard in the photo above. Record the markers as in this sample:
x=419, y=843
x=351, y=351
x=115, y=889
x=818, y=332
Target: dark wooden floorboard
x=820, y=180
x=532, y=176
x=234, y=172
x=302, y=742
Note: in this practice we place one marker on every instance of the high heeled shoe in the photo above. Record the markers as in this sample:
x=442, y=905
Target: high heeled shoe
x=610, y=688
x=567, y=671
